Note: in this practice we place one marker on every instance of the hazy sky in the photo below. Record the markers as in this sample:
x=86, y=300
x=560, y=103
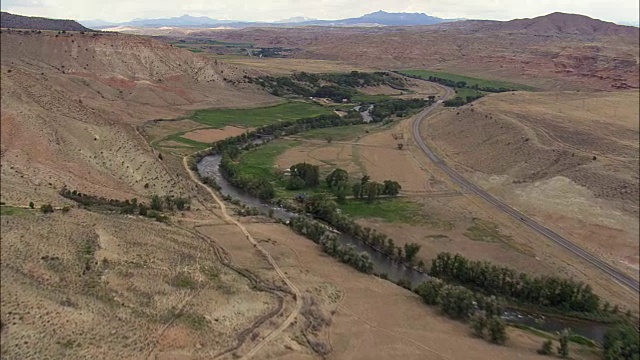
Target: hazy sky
x=270, y=10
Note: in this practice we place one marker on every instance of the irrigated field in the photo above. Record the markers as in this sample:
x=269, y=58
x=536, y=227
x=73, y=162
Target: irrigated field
x=206, y=126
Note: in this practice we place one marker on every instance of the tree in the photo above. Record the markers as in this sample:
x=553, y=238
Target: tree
x=410, y=251
x=547, y=348
x=337, y=176
x=142, y=210
x=307, y=172
x=563, y=338
x=373, y=190
x=430, y=291
x=156, y=203
x=497, y=330
x=295, y=183
x=46, y=208
x=31, y=205
x=621, y=342
x=391, y=188
x=405, y=283
x=479, y=323
x=357, y=190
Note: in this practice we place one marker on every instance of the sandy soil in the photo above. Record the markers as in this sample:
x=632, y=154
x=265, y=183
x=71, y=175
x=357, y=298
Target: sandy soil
x=212, y=135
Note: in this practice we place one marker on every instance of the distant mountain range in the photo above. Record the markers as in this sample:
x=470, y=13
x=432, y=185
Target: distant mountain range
x=378, y=18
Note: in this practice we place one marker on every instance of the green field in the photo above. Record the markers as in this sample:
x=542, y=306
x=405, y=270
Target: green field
x=387, y=209
x=14, y=211
x=259, y=162
x=340, y=133
x=469, y=80
x=255, y=117
x=218, y=118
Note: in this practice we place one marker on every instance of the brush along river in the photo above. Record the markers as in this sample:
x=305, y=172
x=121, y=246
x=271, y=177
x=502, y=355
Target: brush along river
x=208, y=166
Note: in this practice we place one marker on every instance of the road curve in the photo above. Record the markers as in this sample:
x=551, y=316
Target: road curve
x=608, y=269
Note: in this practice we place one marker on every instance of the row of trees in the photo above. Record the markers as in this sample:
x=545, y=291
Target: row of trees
x=333, y=86
x=157, y=205
x=458, y=302
x=329, y=243
x=321, y=207
x=398, y=107
x=370, y=190
x=549, y=291
x=459, y=101
x=305, y=175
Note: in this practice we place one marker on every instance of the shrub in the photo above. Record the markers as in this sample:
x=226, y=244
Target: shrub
x=547, y=348
x=66, y=208
x=31, y=205
x=46, y=208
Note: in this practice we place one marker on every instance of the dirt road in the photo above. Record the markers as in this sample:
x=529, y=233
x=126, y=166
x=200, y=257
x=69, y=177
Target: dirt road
x=614, y=273
x=296, y=292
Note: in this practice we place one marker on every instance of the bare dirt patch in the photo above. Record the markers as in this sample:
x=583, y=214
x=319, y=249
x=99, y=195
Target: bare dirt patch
x=212, y=135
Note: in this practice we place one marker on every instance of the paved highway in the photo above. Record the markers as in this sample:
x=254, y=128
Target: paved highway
x=614, y=273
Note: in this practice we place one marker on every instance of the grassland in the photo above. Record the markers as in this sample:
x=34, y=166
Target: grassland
x=393, y=210
x=469, y=80
x=218, y=118
x=14, y=211
x=259, y=162
x=487, y=231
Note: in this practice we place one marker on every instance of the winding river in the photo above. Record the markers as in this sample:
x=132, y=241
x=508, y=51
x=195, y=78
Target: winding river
x=209, y=167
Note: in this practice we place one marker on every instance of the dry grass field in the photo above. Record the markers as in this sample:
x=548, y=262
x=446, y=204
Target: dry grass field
x=573, y=161
x=451, y=220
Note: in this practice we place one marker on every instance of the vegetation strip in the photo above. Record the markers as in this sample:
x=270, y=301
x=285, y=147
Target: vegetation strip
x=454, y=301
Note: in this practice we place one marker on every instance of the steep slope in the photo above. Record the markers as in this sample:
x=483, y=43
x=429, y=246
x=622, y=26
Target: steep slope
x=12, y=21
x=70, y=104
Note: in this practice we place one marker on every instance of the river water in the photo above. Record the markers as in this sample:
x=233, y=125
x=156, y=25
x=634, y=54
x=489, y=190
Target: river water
x=209, y=167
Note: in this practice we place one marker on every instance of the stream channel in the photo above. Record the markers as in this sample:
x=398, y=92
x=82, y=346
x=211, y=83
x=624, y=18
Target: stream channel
x=209, y=167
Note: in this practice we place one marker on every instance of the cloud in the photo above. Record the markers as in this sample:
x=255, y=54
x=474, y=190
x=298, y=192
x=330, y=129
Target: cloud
x=256, y=10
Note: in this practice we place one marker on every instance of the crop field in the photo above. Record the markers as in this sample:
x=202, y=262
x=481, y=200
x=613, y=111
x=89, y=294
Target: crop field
x=469, y=80
x=222, y=123
x=256, y=117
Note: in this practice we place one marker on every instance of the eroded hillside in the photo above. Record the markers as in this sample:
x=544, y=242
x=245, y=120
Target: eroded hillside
x=70, y=103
